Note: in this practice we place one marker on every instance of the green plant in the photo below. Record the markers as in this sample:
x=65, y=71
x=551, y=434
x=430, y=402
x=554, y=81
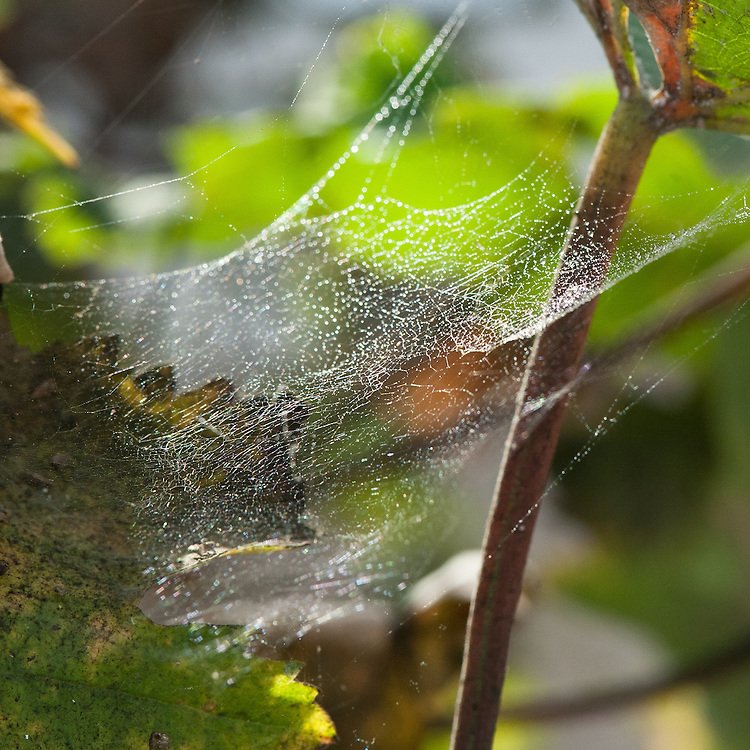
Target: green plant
x=398, y=317
x=702, y=59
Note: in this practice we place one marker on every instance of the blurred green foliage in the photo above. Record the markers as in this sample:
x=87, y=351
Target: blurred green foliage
x=228, y=180
x=666, y=488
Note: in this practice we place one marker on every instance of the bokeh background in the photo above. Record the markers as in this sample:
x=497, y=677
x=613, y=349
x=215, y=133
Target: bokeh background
x=641, y=563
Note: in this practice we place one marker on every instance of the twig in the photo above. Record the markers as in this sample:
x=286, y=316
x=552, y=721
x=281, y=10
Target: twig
x=553, y=362
x=723, y=663
x=610, y=23
x=732, y=285
x=730, y=659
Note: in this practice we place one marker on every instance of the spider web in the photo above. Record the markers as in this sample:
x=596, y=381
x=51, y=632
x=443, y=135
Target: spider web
x=303, y=403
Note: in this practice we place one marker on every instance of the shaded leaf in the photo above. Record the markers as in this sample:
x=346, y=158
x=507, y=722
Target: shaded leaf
x=81, y=667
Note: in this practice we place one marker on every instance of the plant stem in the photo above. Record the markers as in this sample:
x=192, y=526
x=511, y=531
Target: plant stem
x=727, y=661
x=723, y=663
x=615, y=171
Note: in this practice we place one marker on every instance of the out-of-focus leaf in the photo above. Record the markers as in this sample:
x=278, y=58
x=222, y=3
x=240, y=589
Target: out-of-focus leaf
x=434, y=170
x=687, y=590
x=74, y=234
x=22, y=109
x=80, y=666
x=370, y=57
x=250, y=171
x=731, y=409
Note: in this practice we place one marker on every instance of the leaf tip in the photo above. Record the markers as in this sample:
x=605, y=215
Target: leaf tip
x=20, y=108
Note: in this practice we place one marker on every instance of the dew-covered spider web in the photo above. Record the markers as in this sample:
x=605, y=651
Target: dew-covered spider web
x=302, y=404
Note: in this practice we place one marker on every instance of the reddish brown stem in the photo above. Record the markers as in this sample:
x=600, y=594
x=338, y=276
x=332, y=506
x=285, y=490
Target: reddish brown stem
x=609, y=20
x=616, y=169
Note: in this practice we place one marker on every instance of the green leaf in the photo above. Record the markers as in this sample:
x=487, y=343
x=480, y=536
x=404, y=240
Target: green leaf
x=704, y=58
x=80, y=666
x=370, y=57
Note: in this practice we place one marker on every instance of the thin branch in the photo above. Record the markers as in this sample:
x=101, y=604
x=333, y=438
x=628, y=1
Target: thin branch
x=609, y=20
x=732, y=286
x=731, y=659
x=666, y=24
x=553, y=362
x=728, y=282
x=725, y=662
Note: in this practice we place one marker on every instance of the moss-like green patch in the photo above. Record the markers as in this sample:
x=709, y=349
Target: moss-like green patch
x=80, y=666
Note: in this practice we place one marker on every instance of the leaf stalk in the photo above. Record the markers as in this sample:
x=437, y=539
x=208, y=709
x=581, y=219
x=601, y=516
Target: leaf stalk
x=553, y=362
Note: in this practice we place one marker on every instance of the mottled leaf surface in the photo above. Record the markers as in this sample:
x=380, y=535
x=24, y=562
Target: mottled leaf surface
x=80, y=667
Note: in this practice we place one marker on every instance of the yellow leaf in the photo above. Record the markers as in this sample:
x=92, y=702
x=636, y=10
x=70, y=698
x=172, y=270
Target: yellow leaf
x=23, y=110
